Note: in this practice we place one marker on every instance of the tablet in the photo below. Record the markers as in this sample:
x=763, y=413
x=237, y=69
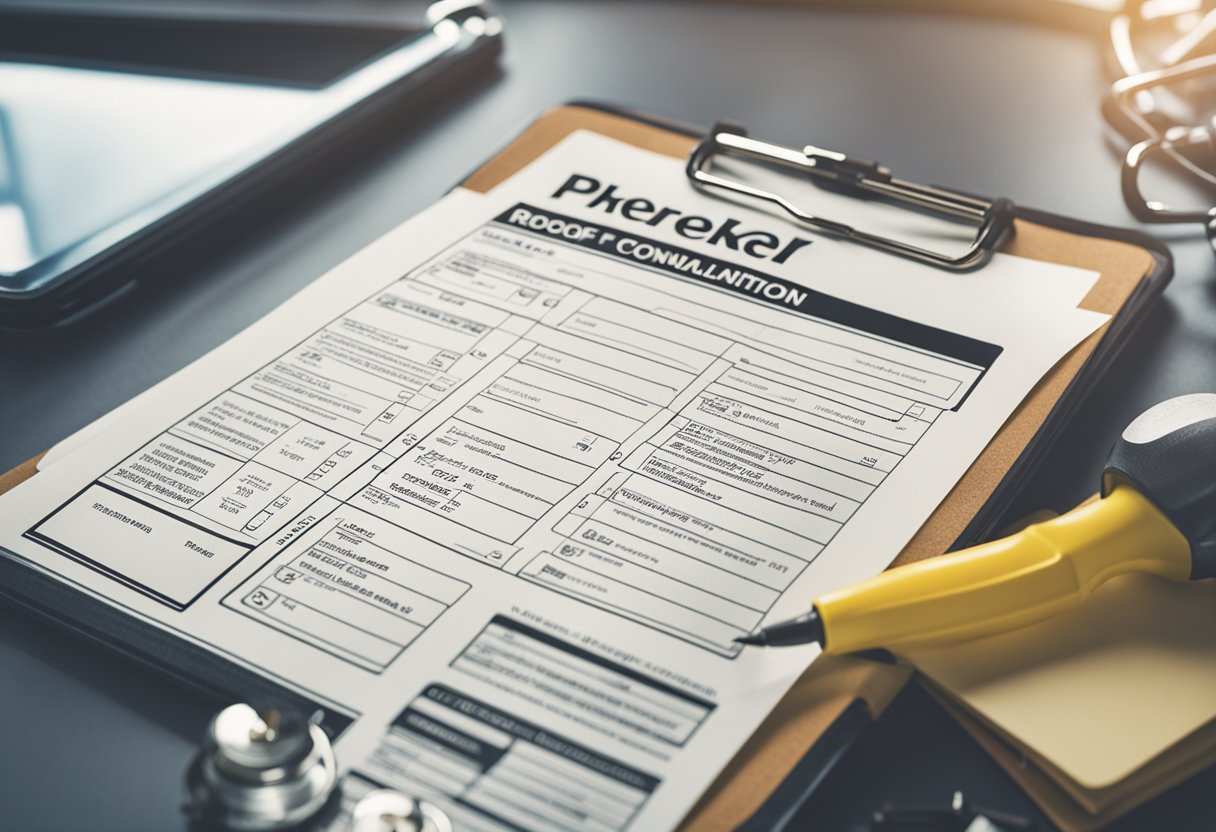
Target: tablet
x=121, y=134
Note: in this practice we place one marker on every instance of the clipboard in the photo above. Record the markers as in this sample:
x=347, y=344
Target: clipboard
x=837, y=697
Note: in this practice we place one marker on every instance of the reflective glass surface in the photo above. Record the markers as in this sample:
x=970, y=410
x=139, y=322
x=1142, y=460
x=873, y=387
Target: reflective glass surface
x=83, y=149
x=110, y=123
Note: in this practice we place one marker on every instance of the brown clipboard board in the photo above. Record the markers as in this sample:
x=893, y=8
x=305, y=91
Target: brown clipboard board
x=835, y=684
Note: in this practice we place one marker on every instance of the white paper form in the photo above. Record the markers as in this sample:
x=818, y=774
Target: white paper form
x=504, y=486
x=1007, y=277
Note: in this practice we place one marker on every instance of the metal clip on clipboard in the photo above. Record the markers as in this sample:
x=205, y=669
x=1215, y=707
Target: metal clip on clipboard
x=860, y=178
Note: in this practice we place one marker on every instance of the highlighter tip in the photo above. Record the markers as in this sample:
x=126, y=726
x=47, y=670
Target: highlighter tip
x=754, y=638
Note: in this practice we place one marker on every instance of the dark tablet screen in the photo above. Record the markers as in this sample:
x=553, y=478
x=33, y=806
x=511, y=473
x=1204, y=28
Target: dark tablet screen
x=102, y=119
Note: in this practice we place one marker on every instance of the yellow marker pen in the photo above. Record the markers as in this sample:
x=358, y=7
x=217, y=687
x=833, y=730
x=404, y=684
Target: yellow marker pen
x=1157, y=514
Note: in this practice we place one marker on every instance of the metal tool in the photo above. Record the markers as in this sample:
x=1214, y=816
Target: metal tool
x=1185, y=146
x=260, y=770
x=1161, y=51
x=1157, y=514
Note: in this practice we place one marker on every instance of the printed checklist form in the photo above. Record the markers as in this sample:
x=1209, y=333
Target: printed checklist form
x=502, y=490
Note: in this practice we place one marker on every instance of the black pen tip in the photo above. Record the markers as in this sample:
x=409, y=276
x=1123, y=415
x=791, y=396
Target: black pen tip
x=804, y=629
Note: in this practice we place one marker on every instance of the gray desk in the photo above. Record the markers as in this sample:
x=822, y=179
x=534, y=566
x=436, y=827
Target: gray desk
x=88, y=740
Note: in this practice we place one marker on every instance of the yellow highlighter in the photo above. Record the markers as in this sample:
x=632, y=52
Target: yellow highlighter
x=1157, y=514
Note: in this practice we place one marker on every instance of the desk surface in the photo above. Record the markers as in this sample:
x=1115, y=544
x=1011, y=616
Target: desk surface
x=998, y=107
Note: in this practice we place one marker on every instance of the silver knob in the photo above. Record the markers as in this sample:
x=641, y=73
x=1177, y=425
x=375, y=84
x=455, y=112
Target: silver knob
x=385, y=810
x=260, y=771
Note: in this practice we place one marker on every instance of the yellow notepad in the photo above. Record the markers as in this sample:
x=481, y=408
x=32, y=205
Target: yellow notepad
x=1111, y=702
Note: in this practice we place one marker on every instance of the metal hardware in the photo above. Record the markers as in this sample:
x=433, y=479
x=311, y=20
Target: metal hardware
x=475, y=16
x=1149, y=210
x=384, y=810
x=1121, y=104
x=259, y=771
x=860, y=178
x=1158, y=120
